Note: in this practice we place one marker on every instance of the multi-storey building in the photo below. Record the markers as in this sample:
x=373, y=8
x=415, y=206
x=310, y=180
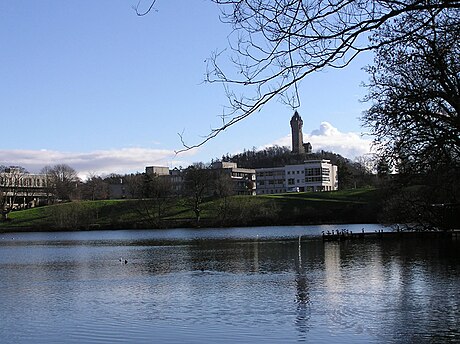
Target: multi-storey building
x=312, y=175
x=20, y=189
x=177, y=180
x=244, y=179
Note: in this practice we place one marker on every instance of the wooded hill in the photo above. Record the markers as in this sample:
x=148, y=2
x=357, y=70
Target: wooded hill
x=351, y=174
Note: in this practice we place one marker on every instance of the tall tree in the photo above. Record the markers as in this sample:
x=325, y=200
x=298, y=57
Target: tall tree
x=223, y=188
x=157, y=192
x=197, y=182
x=415, y=93
x=415, y=90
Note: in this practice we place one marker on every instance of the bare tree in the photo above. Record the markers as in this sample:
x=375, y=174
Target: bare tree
x=157, y=192
x=415, y=117
x=62, y=180
x=197, y=182
x=275, y=44
x=367, y=163
x=223, y=188
x=415, y=92
x=134, y=185
x=95, y=188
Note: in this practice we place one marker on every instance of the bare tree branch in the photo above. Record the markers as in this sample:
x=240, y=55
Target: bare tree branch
x=275, y=44
x=147, y=11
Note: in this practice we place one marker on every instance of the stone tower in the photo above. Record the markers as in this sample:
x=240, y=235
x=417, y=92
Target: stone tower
x=297, y=136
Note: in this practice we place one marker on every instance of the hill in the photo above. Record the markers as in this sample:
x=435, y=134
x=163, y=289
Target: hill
x=352, y=206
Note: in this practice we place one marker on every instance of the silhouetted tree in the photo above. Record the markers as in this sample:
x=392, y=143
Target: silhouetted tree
x=158, y=191
x=415, y=90
x=197, y=182
x=223, y=188
x=95, y=188
x=134, y=185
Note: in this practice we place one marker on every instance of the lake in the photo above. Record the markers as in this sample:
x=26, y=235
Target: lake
x=235, y=285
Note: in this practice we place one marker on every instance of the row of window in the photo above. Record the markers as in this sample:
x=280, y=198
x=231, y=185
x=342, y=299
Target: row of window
x=270, y=173
x=272, y=191
x=317, y=179
x=33, y=182
x=271, y=182
x=308, y=189
x=242, y=175
x=317, y=171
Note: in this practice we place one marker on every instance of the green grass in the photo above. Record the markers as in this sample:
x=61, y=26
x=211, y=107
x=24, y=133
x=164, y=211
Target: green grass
x=358, y=205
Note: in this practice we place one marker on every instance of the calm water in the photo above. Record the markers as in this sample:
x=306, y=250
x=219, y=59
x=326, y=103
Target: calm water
x=248, y=285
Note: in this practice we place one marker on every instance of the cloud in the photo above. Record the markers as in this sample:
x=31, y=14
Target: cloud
x=100, y=162
x=329, y=138
x=135, y=159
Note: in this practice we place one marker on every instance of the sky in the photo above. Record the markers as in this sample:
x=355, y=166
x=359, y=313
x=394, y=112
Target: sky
x=92, y=85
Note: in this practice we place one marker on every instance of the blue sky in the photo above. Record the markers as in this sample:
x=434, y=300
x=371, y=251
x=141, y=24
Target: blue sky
x=90, y=84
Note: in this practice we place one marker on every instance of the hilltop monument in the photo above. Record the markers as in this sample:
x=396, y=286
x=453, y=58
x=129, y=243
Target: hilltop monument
x=298, y=147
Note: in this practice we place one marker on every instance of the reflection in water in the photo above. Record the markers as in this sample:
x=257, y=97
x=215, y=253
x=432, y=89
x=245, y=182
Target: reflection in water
x=254, y=289
x=302, y=296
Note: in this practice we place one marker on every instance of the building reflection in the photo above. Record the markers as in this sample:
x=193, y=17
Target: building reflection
x=303, y=302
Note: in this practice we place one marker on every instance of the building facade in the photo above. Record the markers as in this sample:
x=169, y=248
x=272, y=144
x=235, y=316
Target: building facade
x=20, y=189
x=243, y=179
x=312, y=175
x=157, y=170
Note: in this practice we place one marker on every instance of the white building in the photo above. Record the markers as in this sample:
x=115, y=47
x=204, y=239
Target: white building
x=312, y=175
x=22, y=189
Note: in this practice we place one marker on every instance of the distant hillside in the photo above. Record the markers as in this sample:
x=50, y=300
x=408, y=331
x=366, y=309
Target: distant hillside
x=277, y=156
x=351, y=174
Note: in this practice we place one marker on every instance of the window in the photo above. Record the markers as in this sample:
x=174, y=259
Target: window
x=313, y=171
x=312, y=179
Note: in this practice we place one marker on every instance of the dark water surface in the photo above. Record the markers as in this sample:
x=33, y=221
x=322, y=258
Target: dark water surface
x=240, y=285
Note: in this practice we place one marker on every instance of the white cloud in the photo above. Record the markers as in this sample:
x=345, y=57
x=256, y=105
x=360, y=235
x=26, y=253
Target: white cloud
x=135, y=159
x=100, y=162
x=329, y=138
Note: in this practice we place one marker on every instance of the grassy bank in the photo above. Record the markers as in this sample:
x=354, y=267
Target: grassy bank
x=353, y=206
